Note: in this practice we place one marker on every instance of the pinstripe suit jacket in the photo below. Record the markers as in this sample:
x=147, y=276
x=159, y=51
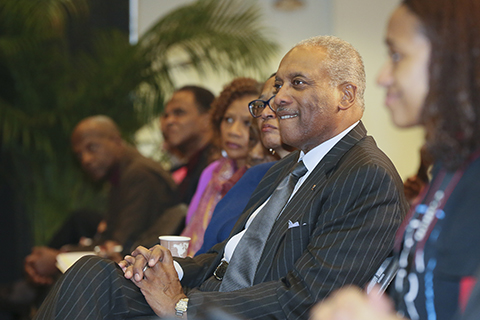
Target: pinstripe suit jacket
x=348, y=210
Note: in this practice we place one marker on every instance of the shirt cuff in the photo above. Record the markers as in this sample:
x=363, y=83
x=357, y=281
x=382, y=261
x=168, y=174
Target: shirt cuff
x=179, y=269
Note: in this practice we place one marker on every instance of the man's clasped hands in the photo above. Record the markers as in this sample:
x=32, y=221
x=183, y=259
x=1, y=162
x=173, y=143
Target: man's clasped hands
x=153, y=272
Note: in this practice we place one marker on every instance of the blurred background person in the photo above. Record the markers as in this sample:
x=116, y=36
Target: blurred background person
x=229, y=209
x=231, y=126
x=140, y=189
x=432, y=78
x=140, y=193
x=187, y=132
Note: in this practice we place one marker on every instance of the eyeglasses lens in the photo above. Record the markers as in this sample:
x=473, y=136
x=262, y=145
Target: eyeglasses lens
x=257, y=107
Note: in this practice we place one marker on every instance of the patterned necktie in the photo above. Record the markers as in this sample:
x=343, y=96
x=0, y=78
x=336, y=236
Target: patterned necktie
x=244, y=262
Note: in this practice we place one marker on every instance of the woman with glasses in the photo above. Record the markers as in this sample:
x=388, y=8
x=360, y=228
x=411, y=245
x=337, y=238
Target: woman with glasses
x=267, y=121
x=432, y=79
x=231, y=125
x=231, y=206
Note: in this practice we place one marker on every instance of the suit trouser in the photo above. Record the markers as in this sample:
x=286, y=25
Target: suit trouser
x=94, y=288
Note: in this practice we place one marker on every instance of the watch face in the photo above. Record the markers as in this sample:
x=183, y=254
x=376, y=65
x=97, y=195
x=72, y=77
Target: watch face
x=181, y=307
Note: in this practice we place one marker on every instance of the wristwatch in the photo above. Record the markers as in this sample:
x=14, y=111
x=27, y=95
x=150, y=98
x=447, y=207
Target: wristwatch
x=181, y=308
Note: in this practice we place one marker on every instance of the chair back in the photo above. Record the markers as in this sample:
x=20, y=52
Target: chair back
x=384, y=275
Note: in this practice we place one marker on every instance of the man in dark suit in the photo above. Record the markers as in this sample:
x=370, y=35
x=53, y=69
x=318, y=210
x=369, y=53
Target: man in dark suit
x=336, y=229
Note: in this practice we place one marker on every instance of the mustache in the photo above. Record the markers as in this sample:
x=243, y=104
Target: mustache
x=284, y=109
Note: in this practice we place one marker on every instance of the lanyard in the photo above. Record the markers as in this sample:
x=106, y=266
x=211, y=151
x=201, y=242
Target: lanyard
x=417, y=228
x=436, y=195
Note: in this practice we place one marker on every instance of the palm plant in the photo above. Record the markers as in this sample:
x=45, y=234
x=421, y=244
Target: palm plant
x=46, y=88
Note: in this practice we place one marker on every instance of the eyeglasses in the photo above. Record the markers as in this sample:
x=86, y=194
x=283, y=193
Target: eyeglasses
x=256, y=107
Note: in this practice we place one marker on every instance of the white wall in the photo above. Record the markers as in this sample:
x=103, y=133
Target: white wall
x=360, y=22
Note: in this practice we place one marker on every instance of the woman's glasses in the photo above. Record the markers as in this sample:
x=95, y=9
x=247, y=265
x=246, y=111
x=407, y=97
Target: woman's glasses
x=256, y=107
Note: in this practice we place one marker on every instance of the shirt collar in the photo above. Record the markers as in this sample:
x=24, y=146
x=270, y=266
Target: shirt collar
x=314, y=156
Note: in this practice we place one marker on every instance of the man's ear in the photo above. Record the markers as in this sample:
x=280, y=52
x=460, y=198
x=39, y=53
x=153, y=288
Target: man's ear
x=348, y=95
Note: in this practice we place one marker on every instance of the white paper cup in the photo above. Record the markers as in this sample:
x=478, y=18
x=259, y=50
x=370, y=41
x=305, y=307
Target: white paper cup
x=178, y=245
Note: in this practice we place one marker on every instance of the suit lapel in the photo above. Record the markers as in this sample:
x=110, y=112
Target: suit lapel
x=346, y=143
x=315, y=182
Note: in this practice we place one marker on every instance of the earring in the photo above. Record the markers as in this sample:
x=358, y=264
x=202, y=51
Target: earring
x=272, y=152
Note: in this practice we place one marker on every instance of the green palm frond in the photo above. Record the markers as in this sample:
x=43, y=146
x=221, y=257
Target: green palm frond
x=15, y=125
x=42, y=18
x=46, y=88
x=217, y=35
x=24, y=24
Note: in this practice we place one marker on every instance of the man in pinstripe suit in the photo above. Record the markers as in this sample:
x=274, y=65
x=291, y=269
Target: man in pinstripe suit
x=336, y=229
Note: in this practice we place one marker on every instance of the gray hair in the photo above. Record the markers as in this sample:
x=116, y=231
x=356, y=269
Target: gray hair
x=344, y=63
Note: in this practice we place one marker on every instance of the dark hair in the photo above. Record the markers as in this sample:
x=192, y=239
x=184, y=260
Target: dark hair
x=202, y=96
x=451, y=112
x=237, y=89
